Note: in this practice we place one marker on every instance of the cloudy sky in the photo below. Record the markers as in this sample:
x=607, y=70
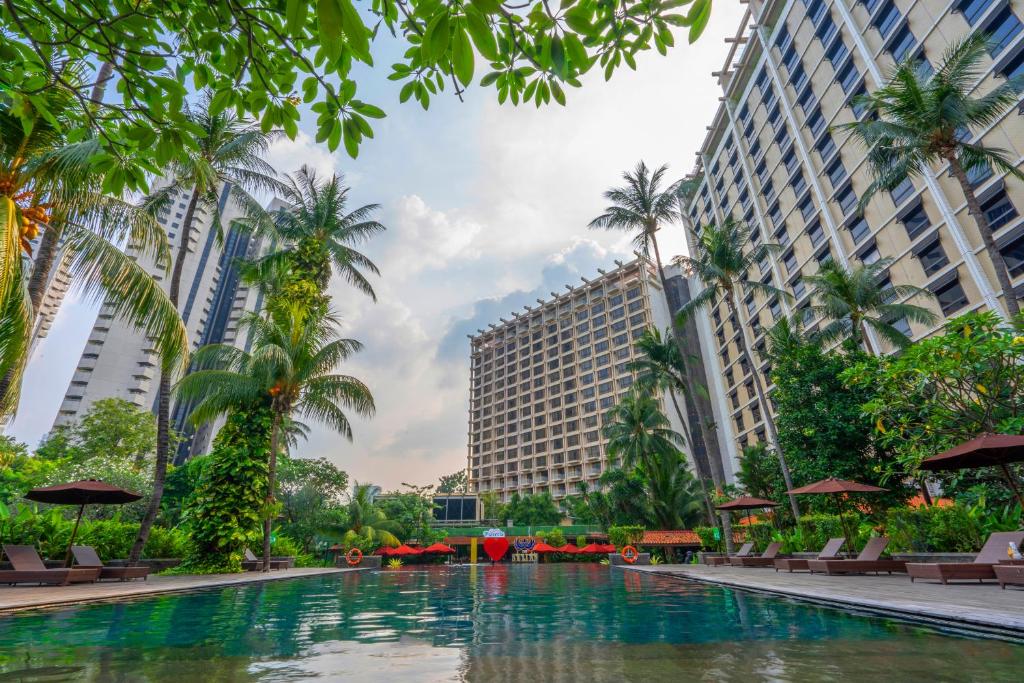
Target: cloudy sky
x=486, y=207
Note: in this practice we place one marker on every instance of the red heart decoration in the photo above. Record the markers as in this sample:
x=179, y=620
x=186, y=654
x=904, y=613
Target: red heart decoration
x=495, y=548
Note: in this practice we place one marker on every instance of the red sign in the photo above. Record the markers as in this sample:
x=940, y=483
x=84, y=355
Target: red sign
x=495, y=548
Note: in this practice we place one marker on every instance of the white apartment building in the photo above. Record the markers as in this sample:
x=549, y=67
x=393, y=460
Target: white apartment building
x=121, y=362
x=772, y=158
x=542, y=381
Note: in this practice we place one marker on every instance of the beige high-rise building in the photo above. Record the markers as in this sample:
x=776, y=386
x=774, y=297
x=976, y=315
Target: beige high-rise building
x=542, y=381
x=773, y=159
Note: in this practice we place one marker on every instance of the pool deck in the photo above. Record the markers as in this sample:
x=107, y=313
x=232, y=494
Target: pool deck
x=984, y=608
x=14, y=598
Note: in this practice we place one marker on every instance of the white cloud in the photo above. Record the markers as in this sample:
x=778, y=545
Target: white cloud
x=287, y=156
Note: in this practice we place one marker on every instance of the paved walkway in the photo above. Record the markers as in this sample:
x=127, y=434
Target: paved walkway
x=969, y=605
x=30, y=597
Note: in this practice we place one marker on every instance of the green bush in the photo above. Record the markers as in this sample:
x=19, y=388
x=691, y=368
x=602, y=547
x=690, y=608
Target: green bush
x=581, y=541
x=817, y=529
x=707, y=538
x=553, y=537
x=625, y=535
x=761, y=533
x=933, y=529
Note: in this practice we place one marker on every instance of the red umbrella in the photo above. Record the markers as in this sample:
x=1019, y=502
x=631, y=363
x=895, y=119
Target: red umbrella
x=568, y=548
x=747, y=503
x=81, y=493
x=606, y=548
x=439, y=549
x=543, y=547
x=384, y=551
x=406, y=550
x=987, y=450
x=833, y=487
x=590, y=549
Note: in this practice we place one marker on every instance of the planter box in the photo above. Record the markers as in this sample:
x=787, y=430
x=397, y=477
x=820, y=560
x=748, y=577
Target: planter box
x=617, y=561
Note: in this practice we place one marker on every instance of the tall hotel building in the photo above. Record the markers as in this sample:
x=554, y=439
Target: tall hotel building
x=542, y=381
x=772, y=159
x=121, y=362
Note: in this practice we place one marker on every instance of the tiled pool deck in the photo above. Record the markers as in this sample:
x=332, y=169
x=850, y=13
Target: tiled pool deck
x=33, y=597
x=980, y=607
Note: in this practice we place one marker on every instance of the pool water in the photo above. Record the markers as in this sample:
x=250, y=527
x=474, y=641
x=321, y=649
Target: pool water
x=570, y=622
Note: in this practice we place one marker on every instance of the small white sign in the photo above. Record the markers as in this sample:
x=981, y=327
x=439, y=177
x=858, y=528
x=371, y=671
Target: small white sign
x=494, y=533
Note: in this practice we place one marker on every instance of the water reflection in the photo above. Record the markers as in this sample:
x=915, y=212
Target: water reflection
x=487, y=623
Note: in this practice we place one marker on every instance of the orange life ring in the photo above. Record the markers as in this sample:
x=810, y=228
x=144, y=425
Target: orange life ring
x=630, y=554
x=354, y=557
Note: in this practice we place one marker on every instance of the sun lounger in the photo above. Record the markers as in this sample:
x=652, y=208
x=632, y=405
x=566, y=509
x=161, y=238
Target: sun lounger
x=981, y=569
x=829, y=552
x=29, y=568
x=719, y=560
x=86, y=556
x=869, y=560
x=254, y=564
x=765, y=559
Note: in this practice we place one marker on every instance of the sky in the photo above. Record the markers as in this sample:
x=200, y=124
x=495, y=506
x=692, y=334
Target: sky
x=486, y=208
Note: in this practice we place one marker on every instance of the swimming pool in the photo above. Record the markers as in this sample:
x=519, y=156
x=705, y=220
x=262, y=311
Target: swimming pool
x=486, y=623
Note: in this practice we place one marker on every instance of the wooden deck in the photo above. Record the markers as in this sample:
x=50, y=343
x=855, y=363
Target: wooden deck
x=972, y=606
x=14, y=598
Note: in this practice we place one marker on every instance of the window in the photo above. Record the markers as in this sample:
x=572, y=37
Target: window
x=815, y=122
x=902, y=44
x=869, y=254
x=1013, y=253
x=902, y=192
x=815, y=233
x=1014, y=67
x=848, y=77
x=999, y=209
x=1002, y=29
x=847, y=199
x=932, y=257
x=789, y=260
x=973, y=9
x=886, y=19
x=837, y=53
x=951, y=297
x=790, y=161
x=826, y=147
x=775, y=213
x=807, y=209
x=859, y=229
x=836, y=172
x=915, y=221
x=799, y=183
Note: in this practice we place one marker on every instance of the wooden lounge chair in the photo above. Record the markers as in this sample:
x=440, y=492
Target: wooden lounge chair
x=254, y=564
x=719, y=560
x=981, y=569
x=1009, y=574
x=869, y=560
x=29, y=568
x=765, y=559
x=829, y=552
x=86, y=556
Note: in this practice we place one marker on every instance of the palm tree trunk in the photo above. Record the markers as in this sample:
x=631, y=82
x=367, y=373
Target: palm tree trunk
x=275, y=430
x=163, y=404
x=769, y=421
x=712, y=465
x=99, y=86
x=987, y=237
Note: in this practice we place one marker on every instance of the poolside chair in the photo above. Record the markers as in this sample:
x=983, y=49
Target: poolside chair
x=29, y=568
x=869, y=560
x=254, y=564
x=86, y=556
x=981, y=569
x=719, y=560
x=829, y=552
x=765, y=559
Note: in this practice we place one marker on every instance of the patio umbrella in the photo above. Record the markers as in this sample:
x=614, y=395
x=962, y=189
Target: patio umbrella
x=438, y=549
x=606, y=548
x=568, y=548
x=543, y=547
x=747, y=503
x=987, y=450
x=406, y=550
x=834, y=487
x=590, y=549
x=81, y=493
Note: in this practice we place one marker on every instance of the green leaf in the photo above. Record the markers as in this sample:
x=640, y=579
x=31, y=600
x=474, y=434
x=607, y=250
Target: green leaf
x=578, y=19
x=435, y=42
x=354, y=28
x=462, y=55
x=482, y=34
x=329, y=17
x=698, y=17
x=487, y=6
x=490, y=78
x=295, y=16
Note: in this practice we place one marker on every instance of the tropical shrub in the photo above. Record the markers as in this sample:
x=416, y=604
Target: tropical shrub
x=225, y=512
x=395, y=563
x=760, y=533
x=951, y=529
x=620, y=536
x=816, y=530
x=553, y=537
x=581, y=541
x=710, y=538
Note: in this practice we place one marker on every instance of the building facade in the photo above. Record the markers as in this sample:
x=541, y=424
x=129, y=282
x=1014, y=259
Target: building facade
x=772, y=158
x=541, y=383
x=119, y=361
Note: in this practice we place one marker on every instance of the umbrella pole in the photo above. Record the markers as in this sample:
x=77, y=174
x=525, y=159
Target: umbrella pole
x=74, y=533
x=842, y=523
x=1013, y=484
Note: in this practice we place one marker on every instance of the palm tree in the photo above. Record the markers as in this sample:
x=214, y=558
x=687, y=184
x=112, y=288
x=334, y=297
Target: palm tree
x=320, y=235
x=637, y=431
x=855, y=301
x=660, y=367
x=675, y=500
x=49, y=189
x=229, y=153
x=922, y=120
x=366, y=521
x=294, y=354
x=723, y=259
